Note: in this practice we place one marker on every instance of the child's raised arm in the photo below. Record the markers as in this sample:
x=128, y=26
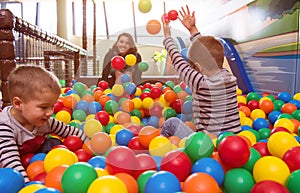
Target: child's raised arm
x=188, y=20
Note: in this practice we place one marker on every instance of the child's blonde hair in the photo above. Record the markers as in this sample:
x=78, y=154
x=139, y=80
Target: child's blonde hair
x=28, y=82
x=208, y=52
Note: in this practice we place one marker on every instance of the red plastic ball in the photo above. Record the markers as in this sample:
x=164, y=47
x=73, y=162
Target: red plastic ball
x=118, y=62
x=145, y=162
x=103, y=117
x=121, y=159
x=145, y=95
x=103, y=84
x=25, y=159
x=178, y=163
x=155, y=92
x=254, y=104
x=172, y=15
x=83, y=155
x=177, y=105
x=268, y=186
x=234, y=151
x=292, y=158
x=136, y=146
x=73, y=143
x=58, y=106
x=262, y=148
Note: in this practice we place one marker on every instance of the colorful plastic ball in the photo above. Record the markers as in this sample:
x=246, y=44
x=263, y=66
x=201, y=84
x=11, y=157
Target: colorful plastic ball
x=252, y=96
x=257, y=113
x=103, y=84
x=35, y=168
x=200, y=182
x=143, y=66
x=59, y=156
x=91, y=127
x=162, y=181
x=82, y=105
x=121, y=159
x=11, y=180
x=172, y=15
x=143, y=179
x=130, y=88
x=111, y=106
x=98, y=161
x=254, y=156
x=144, y=6
x=259, y=123
x=73, y=142
x=117, y=90
x=25, y=159
x=153, y=26
x=288, y=108
x=130, y=59
x=94, y=107
x=47, y=190
x=178, y=163
x=234, y=151
x=83, y=155
x=100, y=142
x=198, y=145
x=38, y=157
x=136, y=146
x=127, y=105
x=292, y=183
x=78, y=177
x=170, y=96
x=284, y=96
x=187, y=107
x=63, y=116
x=159, y=146
x=271, y=168
x=79, y=87
x=267, y=106
x=238, y=180
x=129, y=181
x=209, y=166
x=103, y=117
x=125, y=78
x=145, y=162
x=169, y=112
x=268, y=186
x=53, y=178
x=262, y=148
x=146, y=134
x=254, y=104
x=280, y=142
x=273, y=116
x=108, y=183
x=124, y=136
x=69, y=101
x=292, y=158
x=32, y=188
x=118, y=62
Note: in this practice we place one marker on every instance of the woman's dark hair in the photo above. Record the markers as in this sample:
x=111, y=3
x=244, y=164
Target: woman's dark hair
x=131, y=50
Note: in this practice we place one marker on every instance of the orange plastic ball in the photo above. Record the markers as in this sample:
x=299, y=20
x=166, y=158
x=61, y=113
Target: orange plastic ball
x=127, y=105
x=288, y=108
x=100, y=142
x=170, y=96
x=98, y=94
x=123, y=117
x=200, y=182
x=69, y=102
x=146, y=134
x=53, y=178
x=182, y=95
x=129, y=181
x=245, y=110
x=89, y=98
x=191, y=125
x=267, y=106
x=35, y=168
x=153, y=27
x=103, y=99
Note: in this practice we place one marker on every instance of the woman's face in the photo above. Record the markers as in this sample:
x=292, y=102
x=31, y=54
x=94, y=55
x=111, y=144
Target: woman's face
x=123, y=44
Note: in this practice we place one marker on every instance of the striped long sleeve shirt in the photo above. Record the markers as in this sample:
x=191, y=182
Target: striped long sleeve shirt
x=214, y=98
x=13, y=135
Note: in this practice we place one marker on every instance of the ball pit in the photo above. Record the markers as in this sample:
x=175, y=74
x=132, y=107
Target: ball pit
x=125, y=146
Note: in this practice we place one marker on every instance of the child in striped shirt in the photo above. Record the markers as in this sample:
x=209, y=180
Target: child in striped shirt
x=213, y=87
x=25, y=124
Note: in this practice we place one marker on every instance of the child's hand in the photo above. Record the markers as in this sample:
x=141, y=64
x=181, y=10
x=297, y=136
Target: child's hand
x=188, y=19
x=166, y=26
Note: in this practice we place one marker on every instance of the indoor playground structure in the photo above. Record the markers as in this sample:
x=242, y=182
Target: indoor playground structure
x=125, y=151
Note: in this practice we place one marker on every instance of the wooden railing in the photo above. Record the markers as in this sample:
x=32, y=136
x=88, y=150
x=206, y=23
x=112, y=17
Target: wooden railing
x=22, y=43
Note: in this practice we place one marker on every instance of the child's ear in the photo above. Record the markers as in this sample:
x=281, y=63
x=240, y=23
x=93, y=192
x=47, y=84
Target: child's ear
x=16, y=102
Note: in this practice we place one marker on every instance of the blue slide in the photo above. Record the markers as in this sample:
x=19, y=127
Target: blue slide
x=237, y=66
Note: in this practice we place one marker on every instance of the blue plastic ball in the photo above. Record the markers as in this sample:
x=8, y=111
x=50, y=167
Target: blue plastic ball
x=245, y=127
x=260, y=123
x=295, y=102
x=284, y=96
x=124, y=136
x=163, y=181
x=210, y=166
x=98, y=161
x=153, y=121
x=11, y=180
x=38, y=156
x=130, y=88
x=47, y=190
x=187, y=107
x=94, y=107
x=273, y=116
x=125, y=78
x=82, y=105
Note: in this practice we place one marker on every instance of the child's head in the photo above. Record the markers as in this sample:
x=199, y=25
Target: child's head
x=28, y=82
x=206, y=54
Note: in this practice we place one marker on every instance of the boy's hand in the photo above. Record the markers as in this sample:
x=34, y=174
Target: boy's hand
x=188, y=20
x=166, y=26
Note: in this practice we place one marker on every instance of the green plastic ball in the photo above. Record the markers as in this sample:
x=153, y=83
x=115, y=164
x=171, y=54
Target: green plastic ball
x=238, y=180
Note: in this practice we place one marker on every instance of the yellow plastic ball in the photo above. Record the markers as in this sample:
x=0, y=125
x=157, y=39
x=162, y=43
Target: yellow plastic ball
x=76, y=96
x=297, y=96
x=32, y=188
x=242, y=99
x=159, y=146
x=113, y=139
x=117, y=90
x=265, y=98
x=182, y=143
x=280, y=142
x=135, y=120
x=286, y=123
x=109, y=183
x=63, y=116
x=90, y=116
x=249, y=135
x=271, y=168
x=239, y=91
x=242, y=114
x=91, y=127
x=246, y=121
x=147, y=102
x=130, y=59
x=101, y=172
x=107, y=91
x=138, y=92
x=137, y=103
x=163, y=101
x=59, y=156
x=114, y=129
x=257, y=113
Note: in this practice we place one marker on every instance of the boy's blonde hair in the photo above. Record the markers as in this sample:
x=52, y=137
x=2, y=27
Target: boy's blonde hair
x=208, y=52
x=28, y=82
